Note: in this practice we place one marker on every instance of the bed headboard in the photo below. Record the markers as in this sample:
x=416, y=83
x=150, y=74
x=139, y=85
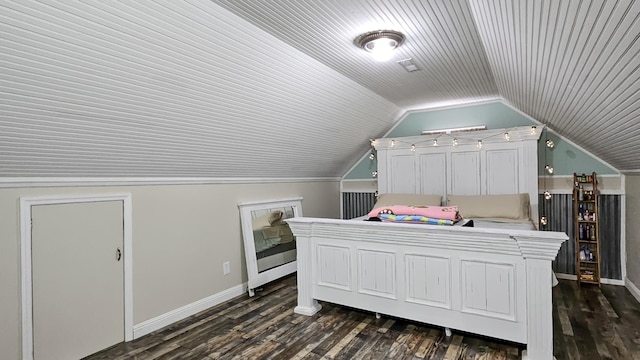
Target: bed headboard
x=485, y=162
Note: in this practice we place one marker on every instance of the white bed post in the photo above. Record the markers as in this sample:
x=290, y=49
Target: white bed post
x=539, y=310
x=307, y=305
x=538, y=255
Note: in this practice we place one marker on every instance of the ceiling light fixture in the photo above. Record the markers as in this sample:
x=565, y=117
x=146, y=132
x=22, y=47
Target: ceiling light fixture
x=449, y=131
x=380, y=43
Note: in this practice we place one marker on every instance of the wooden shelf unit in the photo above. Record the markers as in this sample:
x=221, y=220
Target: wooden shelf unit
x=586, y=215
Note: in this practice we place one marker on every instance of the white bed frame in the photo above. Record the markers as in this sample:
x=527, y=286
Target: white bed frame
x=494, y=282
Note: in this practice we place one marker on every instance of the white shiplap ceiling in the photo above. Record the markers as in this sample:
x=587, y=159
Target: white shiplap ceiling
x=441, y=39
x=170, y=88
x=277, y=89
x=571, y=64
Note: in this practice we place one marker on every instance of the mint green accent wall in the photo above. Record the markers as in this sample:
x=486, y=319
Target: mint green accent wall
x=363, y=169
x=564, y=157
x=493, y=116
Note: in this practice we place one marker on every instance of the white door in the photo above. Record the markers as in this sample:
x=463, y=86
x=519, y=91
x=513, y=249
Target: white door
x=402, y=174
x=77, y=278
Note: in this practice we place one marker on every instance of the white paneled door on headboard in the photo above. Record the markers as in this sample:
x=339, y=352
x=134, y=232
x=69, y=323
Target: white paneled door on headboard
x=433, y=181
x=403, y=164
x=501, y=169
x=501, y=165
x=465, y=171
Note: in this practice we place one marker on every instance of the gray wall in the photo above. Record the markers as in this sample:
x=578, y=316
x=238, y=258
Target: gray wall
x=633, y=229
x=181, y=236
x=559, y=211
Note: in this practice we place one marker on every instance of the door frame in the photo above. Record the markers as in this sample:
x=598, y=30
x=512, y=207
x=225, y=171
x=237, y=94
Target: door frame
x=25, y=258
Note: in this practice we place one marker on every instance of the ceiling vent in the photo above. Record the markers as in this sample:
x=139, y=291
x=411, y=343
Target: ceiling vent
x=409, y=65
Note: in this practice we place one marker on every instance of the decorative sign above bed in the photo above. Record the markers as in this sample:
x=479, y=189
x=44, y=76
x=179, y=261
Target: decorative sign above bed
x=269, y=244
x=485, y=162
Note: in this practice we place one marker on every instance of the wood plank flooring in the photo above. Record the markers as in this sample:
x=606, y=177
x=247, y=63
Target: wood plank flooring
x=589, y=323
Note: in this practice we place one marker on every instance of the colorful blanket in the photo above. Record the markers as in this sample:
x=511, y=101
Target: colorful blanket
x=415, y=219
x=432, y=212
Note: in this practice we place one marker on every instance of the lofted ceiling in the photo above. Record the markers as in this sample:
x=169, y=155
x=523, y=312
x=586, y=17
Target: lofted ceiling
x=273, y=89
x=573, y=65
x=441, y=38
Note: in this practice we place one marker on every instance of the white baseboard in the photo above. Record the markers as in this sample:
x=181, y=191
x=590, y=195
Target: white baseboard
x=612, y=282
x=603, y=280
x=183, y=312
x=566, y=276
x=632, y=289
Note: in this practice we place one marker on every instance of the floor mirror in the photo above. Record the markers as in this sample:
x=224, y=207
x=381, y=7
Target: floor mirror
x=269, y=245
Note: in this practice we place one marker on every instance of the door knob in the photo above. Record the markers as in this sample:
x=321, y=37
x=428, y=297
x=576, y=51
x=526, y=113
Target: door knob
x=118, y=254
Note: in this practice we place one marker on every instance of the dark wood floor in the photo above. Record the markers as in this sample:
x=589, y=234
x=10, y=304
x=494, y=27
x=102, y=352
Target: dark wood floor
x=589, y=323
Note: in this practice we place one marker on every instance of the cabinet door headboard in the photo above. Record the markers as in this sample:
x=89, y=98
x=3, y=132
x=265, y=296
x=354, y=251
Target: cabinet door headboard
x=501, y=161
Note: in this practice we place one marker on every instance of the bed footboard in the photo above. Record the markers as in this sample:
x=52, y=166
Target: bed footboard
x=491, y=282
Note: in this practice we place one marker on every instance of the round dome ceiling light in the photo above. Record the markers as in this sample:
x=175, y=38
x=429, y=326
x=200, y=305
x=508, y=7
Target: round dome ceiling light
x=380, y=43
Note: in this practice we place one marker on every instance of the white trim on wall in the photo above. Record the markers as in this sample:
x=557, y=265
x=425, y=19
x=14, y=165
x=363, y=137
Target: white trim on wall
x=183, y=312
x=22, y=182
x=569, y=179
x=541, y=178
x=623, y=228
x=612, y=281
x=633, y=289
x=25, y=259
x=359, y=185
x=602, y=280
x=450, y=105
x=566, y=276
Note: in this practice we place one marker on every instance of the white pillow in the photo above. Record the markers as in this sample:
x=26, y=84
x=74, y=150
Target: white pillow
x=511, y=206
x=408, y=200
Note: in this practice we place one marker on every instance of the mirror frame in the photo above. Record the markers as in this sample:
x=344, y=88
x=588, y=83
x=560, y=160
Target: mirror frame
x=256, y=278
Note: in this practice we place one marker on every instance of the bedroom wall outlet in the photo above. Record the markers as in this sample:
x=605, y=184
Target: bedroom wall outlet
x=226, y=268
